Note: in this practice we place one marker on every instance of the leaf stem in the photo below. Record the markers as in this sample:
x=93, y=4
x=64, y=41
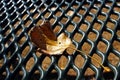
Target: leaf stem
x=83, y=53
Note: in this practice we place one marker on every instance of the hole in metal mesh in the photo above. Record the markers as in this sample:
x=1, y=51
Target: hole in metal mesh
x=42, y=8
x=89, y=18
x=76, y=19
x=71, y=72
x=47, y=14
x=13, y=16
x=64, y=6
x=70, y=28
x=4, y=23
x=49, y=2
x=69, y=50
x=35, y=76
x=58, y=13
x=38, y=54
x=116, y=45
x=10, y=51
x=86, y=4
x=1, y=61
x=89, y=73
x=70, y=12
x=108, y=76
x=113, y=59
x=52, y=21
x=46, y=63
x=18, y=31
x=29, y=64
x=86, y=47
x=102, y=46
x=98, y=58
x=64, y=20
x=97, y=4
x=84, y=27
x=39, y=22
x=62, y=62
x=16, y=23
x=101, y=17
x=116, y=8
x=97, y=26
x=1, y=5
x=75, y=5
x=8, y=41
x=106, y=35
x=21, y=9
x=118, y=33
x=92, y=36
x=2, y=11
x=114, y=16
x=32, y=9
x=24, y=16
x=7, y=31
x=25, y=51
x=105, y=9
x=57, y=29
x=53, y=7
x=27, y=22
x=11, y=10
x=110, y=25
x=19, y=75
x=22, y=40
x=109, y=3
x=13, y=63
x=3, y=75
x=9, y=4
x=78, y=37
x=35, y=15
x=79, y=61
x=53, y=75
x=93, y=10
x=28, y=3
x=82, y=11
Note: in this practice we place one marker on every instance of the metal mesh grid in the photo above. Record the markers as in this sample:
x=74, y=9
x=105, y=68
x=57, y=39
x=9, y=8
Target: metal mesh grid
x=92, y=25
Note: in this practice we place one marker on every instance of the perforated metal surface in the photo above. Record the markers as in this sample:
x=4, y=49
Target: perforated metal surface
x=92, y=25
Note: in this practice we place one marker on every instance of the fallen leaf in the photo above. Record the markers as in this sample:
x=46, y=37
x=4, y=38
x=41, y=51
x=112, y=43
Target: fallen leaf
x=45, y=39
x=61, y=44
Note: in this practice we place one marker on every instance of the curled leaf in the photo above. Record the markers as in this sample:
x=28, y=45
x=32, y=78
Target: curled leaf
x=61, y=44
x=45, y=39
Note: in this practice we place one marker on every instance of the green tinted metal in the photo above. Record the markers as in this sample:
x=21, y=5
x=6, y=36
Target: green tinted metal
x=92, y=25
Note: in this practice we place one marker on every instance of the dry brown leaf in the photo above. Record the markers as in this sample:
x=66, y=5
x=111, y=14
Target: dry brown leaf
x=44, y=38
x=57, y=48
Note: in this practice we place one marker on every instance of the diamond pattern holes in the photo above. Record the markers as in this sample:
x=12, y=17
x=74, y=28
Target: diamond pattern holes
x=78, y=37
x=98, y=58
x=17, y=56
x=102, y=46
x=92, y=36
x=116, y=45
x=46, y=63
x=107, y=35
x=70, y=28
x=113, y=59
x=62, y=63
x=79, y=61
x=89, y=73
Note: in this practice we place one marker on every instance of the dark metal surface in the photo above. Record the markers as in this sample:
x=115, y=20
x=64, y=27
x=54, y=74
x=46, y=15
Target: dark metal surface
x=99, y=18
